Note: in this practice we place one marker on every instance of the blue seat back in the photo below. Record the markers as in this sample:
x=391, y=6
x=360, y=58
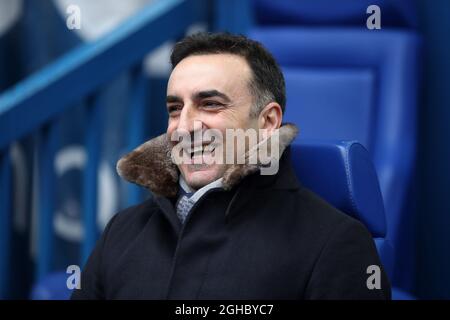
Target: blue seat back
x=355, y=84
x=343, y=174
x=341, y=100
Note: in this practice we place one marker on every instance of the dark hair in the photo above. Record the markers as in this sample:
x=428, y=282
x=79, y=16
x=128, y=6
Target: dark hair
x=267, y=82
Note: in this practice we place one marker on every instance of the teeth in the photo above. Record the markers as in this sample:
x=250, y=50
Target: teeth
x=200, y=151
x=197, y=153
x=197, y=149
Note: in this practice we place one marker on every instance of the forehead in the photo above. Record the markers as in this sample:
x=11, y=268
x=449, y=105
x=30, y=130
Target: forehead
x=224, y=72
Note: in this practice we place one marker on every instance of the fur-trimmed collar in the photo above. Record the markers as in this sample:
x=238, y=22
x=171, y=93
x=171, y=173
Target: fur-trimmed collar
x=150, y=165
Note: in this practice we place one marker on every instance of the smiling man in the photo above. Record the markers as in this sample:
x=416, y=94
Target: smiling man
x=218, y=225
x=218, y=98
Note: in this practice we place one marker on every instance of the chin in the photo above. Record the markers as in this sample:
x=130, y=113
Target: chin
x=197, y=178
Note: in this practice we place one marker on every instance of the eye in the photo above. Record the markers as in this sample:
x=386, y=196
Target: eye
x=174, y=109
x=212, y=104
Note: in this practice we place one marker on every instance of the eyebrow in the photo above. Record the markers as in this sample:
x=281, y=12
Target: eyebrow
x=171, y=98
x=199, y=96
x=210, y=94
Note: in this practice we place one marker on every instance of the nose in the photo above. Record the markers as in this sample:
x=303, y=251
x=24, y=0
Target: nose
x=189, y=120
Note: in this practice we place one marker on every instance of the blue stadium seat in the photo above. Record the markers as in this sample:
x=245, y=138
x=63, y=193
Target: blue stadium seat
x=343, y=174
x=394, y=13
x=356, y=84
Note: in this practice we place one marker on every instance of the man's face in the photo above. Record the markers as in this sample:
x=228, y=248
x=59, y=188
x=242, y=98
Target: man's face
x=212, y=91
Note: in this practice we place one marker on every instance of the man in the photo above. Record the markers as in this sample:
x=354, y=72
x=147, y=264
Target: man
x=221, y=230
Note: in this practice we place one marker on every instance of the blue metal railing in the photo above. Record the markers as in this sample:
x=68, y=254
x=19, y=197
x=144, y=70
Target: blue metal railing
x=33, y=106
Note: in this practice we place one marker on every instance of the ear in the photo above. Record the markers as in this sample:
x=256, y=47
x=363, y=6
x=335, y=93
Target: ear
x=270, y=117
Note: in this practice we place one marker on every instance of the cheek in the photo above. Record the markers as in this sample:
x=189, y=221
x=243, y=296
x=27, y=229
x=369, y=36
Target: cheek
x=171, y=126
x=229, y=118
x=217, y=122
